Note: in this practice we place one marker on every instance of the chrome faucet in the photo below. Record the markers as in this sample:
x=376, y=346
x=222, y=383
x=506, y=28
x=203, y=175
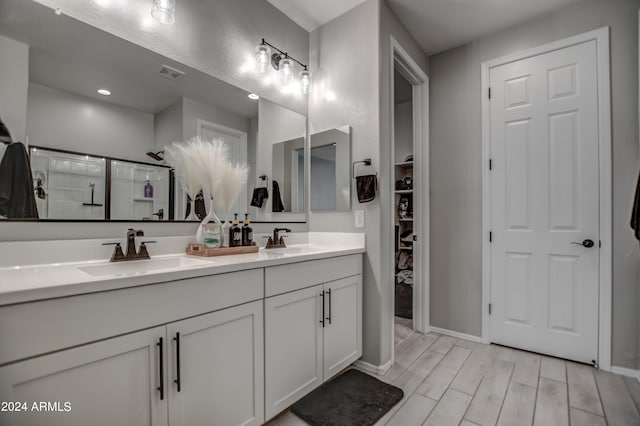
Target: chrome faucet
x=277, y=241
x=132, y=253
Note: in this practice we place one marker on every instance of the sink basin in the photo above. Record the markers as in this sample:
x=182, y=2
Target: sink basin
x=292, y=250
x=141, y=267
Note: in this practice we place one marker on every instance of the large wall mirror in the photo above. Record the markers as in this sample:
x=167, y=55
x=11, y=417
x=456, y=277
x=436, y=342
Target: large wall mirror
x=96, y=111
x=330, y=159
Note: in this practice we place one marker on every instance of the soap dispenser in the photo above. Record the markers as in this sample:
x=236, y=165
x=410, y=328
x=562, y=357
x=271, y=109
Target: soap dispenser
x=247, y=232
x=148, y=189
x=235, y=233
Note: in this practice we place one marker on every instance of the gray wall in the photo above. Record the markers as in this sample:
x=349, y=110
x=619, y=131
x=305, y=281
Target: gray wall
x=352, y=87
x=168, y=126
x=456, y=212
x=344, y=53
x=403, y=130
x=62, y=120
x=193, y=110
x=14, y=83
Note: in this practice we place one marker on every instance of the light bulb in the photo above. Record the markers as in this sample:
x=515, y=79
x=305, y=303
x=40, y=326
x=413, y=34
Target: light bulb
x=164, y=11
x=286, y=71
x=263, y=58
x=305, y=81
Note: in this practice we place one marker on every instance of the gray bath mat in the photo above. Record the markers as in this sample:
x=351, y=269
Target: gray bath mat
x=351, y=399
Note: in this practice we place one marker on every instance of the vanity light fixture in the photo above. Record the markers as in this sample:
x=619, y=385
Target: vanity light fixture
x=104, y=92
x=283, y=63
x=263, y=57
x=286, y=70
x=164, y=11
x=305, y=81
x=253, y=96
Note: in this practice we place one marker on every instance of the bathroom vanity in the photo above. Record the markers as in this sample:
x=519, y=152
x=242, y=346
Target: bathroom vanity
x=224, y=341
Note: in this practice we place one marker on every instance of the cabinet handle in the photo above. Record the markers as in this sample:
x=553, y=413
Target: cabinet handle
x=329, y=302
x=177, y=380
x=161, y=368
x=322, y=320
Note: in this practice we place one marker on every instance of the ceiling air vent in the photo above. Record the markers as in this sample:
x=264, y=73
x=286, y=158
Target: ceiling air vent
x=170, y=73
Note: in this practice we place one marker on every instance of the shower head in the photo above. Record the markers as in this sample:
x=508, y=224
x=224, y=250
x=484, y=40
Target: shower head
x=158, y=156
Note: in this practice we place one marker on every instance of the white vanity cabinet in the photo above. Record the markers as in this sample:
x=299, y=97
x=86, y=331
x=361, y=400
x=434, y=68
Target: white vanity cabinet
x=112, y=382
x=203, y=370
x=225, y=349
x=313, y=333
x=132, y=379
x=216, y=368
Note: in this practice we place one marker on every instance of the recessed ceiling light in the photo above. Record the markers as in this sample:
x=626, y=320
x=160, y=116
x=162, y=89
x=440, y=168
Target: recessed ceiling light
x=254, y=96
x=104, y=92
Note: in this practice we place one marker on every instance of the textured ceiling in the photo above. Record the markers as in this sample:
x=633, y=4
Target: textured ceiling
x=439, y=25
x=310, y=14
x=436, y=24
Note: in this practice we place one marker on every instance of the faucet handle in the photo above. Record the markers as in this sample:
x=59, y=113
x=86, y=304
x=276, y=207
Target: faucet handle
x=117, y=255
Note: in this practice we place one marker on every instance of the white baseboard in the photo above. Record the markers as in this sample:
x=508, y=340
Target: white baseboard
x=374, y=369
x=628, y=372
x=456, y=334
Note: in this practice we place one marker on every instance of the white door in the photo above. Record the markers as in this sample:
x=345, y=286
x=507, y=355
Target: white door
x=216, y=368
x=293, y=347
x=113, y=382
x=544, y=200
x=237, y=141
x=343, y=324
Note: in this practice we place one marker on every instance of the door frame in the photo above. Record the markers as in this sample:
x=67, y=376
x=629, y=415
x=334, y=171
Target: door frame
x=420, y=99
x=601, y=37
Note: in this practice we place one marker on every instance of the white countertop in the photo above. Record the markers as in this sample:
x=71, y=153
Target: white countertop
x=27, y=283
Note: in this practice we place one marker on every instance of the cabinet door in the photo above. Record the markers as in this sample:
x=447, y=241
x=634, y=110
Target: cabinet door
x=293, y=350
x=112, y=382
x=218, y=362
x=343, y=330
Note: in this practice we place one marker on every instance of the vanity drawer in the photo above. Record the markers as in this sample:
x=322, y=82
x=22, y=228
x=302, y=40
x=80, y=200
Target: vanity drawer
x=291, y=277
x=31, y=329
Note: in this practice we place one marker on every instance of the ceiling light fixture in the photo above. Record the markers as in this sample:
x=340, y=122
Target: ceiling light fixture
x=104, y=92
x=253, y=96
x=164, y=11
x=283, y=63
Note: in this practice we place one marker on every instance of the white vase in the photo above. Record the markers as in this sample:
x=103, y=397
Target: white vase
x=207, y=219
x=192, y=211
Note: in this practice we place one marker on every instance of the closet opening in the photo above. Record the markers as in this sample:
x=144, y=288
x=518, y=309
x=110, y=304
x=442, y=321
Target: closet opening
x=406, y=211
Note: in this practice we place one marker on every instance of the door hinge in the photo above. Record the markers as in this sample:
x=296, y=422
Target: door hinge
x=490, y=163
x=490, y=236
x=490, y=308
x=600, y=243
x=489, y=92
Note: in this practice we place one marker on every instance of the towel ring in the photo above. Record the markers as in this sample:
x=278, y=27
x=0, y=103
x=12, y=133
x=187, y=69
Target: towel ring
x=366, y=162
x=264, y=178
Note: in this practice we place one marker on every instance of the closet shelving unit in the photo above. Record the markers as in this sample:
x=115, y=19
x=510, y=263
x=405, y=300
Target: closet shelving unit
x=403, y=249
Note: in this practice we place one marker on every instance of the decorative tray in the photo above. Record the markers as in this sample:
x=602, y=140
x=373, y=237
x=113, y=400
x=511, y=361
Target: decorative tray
x=199, y=249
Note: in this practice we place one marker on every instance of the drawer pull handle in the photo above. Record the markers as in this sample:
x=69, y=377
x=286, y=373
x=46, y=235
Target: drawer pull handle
x=329, y=302
x=322, y=320
x=161, y=368
x=177, y=381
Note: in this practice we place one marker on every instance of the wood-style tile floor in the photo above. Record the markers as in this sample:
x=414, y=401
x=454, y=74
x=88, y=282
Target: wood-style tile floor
x=449, y=381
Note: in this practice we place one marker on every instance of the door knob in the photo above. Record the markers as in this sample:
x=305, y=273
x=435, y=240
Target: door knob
x=585, y=243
